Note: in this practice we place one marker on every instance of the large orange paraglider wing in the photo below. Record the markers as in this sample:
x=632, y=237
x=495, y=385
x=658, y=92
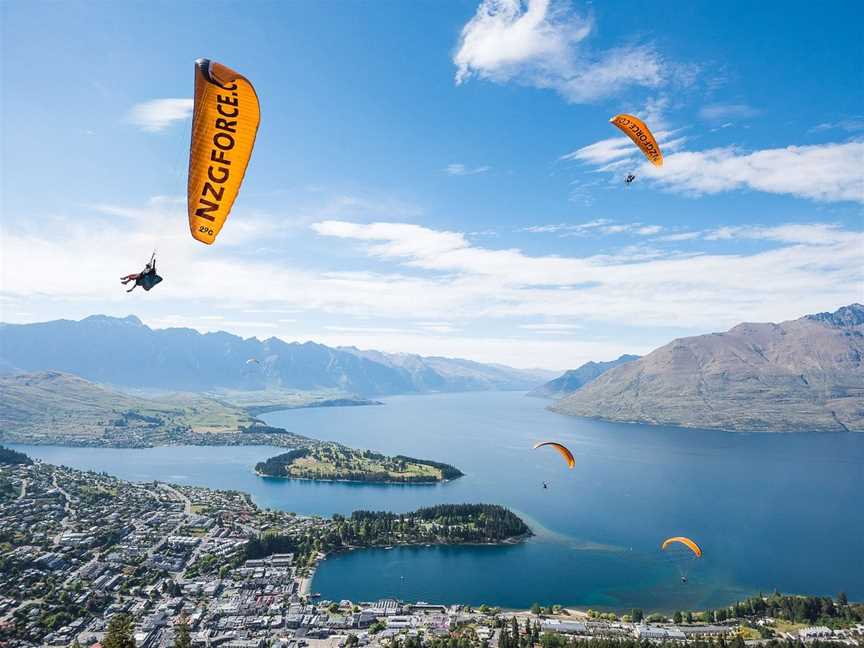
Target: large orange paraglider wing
x=224, y=125
x=560, y=448
x=687, y=542
x=637, y=131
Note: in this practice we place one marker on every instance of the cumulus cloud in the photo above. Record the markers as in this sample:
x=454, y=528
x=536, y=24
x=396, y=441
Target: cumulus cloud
x=540, y=43
x=158, y=114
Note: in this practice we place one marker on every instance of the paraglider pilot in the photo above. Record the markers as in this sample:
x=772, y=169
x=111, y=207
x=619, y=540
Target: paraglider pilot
x=630, y=178
x=147, y=278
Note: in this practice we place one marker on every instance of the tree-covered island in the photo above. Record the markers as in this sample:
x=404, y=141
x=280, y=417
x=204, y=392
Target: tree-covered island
x=331, y=462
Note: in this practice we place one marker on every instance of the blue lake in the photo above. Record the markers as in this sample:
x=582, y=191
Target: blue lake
x=770, y=511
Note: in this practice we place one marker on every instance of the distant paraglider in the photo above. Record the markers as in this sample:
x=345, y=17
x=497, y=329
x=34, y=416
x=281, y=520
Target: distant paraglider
x=224, y=125
x=147, y=278
x=687, y=542
x=253, y=361
x=642, y=137
x=682, y=551
x=630, y=178
x=568, y=456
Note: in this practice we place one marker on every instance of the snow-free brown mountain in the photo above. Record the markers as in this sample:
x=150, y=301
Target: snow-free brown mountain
x=802, y=375
x=574, y=379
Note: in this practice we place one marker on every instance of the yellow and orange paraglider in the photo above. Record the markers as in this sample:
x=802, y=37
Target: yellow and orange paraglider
x=687, y=542
x=224, y=124
x=568, y=456
x=683, y=552
x=637, y=131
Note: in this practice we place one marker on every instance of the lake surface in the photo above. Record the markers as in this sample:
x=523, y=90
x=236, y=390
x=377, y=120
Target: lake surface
x=770, y=511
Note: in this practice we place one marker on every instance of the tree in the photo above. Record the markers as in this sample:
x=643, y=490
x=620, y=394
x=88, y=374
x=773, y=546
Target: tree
x=689, y=617
x=119, y=634
x=636, y=614
x=536, y=609
x=677, y=618
x=842, y=599
x=181, y=634
x=553, y=640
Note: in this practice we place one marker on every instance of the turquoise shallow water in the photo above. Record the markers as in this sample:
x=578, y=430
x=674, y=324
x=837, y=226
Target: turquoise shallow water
x=770, y=511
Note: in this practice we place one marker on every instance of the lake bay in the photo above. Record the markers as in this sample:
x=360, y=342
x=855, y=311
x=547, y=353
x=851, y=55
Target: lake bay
x=769, y=510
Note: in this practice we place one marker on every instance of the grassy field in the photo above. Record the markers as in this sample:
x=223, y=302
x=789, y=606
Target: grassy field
x=787, y=626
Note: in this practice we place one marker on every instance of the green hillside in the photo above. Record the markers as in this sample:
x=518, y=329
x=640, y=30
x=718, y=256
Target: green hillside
x=54, y=407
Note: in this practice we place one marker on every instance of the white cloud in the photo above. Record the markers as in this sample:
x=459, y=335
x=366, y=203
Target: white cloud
x=807, y=271
x=436, y=286
x=825, y=172
x=540, y=43
x=597, y=226
x=808, y=233
x=159, y=114
x=552, y=328
x=723, y=112
x=458, y=169
x=681, y=236
x=608, y=152
x=850, y=125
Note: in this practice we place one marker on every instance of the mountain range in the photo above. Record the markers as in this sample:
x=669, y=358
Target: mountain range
x=126, y=352
x=574, y=379
x=802, y=375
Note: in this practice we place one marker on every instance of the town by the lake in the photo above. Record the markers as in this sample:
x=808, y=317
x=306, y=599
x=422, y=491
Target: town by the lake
x=87, y=557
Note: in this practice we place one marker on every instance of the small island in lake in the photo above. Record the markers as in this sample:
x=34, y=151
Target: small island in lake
x=332, y=462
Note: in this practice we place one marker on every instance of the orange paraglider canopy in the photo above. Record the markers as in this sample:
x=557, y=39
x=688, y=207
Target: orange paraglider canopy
x=641, y=135
x=560, y=448
x=224, y=125
x=687, y=542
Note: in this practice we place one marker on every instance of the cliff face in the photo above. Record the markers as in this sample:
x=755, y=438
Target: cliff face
x=802, y=375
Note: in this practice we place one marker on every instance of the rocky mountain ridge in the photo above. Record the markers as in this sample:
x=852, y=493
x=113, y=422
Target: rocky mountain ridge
x=802, y=375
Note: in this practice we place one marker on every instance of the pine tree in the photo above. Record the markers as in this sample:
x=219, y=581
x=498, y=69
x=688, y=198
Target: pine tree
x=181, y=634
x=119, y=634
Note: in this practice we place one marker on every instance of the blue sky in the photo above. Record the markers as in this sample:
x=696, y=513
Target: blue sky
x=442, y=178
